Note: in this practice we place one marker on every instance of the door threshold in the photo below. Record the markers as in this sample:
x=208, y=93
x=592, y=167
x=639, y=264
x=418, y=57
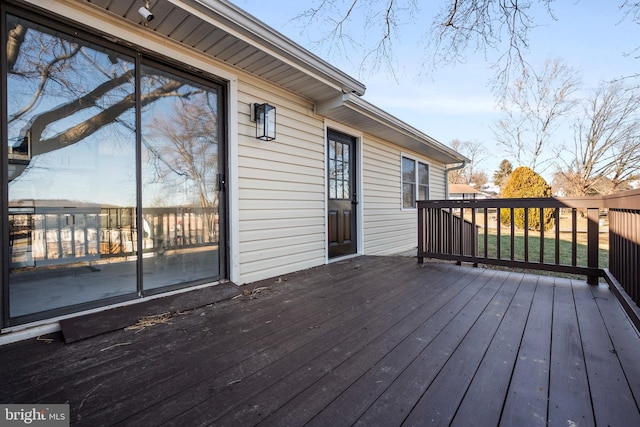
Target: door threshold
x=342, y=258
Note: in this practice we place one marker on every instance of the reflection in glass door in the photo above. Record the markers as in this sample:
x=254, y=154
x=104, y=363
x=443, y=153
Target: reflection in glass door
x=180, y=167
x=71, y=147
x=112, y=175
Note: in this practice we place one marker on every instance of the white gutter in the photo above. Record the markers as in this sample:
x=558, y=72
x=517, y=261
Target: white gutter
x=446, y=177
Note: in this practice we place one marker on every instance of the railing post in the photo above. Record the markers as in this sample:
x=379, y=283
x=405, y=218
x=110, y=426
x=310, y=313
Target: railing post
x=421, y=211
x=593, y=234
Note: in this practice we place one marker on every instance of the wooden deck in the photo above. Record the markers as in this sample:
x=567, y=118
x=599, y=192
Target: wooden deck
x=373, y=341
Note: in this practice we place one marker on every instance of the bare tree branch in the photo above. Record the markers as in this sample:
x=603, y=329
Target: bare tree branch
x=476, y=152
x=14, y=43
x=606, y=152
x=93, y=124
x=460, y=27
x=531, y=110
x=379, y=20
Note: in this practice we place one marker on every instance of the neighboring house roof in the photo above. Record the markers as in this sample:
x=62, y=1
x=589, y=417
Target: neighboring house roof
x=224, y=31
x=462, y=189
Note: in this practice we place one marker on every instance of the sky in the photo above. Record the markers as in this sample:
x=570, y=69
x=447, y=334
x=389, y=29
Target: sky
x=455, y=101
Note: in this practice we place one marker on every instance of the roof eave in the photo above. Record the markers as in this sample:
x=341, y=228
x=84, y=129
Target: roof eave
x=245, y=26
x=404, y=135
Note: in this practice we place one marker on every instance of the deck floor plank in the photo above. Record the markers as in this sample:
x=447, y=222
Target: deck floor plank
x=415, y=362
x=527, y=399
x=485, y=397
x=367, y=341
x=434, y=316
x=445, y=389
x=419, y=302
x=569, y=399
x=606, y=377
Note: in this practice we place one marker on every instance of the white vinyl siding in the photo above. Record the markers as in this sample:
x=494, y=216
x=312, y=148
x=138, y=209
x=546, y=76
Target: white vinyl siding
x=437, y=188
x=281, y=187
x=387, y=228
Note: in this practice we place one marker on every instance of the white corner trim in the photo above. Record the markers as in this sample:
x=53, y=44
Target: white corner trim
x=233, y=185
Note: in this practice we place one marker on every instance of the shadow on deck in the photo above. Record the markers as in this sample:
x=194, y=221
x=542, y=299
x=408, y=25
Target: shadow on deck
x=368, y=341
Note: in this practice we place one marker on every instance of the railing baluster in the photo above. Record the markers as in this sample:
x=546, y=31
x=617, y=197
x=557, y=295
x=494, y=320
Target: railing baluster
x=556, y=218
x=486, y=232
x=474, y=244
x=421, y=233
x=633, y=250
x=461, y=231
x=513, y=227
x=592, y=242
x=526, y=234
x=574, y=237
x=450, y=235
x=541, y=221
x=498, y=237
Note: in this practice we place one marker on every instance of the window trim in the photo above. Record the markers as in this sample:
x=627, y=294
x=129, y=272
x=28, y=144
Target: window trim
x=416, y=161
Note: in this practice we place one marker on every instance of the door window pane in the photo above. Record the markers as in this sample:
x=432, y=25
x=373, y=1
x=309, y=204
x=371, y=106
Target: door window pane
x=339, y=172
x=71, y=160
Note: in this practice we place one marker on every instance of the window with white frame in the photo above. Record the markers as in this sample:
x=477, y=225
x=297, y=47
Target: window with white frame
x=415, y=182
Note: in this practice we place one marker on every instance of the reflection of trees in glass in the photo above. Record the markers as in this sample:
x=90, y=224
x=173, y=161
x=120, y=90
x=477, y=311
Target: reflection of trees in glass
x=181, y=153
x=339, y=173
x=62, y=90
x=183, y=149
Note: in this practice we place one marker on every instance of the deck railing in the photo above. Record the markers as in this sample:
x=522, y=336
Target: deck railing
x=570, y=244
x=624, y=241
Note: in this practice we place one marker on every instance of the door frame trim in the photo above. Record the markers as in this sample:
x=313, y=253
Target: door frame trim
x=359, y=210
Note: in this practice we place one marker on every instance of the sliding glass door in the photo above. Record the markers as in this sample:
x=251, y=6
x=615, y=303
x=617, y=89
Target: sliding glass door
x=111, y=174
x=180, y=169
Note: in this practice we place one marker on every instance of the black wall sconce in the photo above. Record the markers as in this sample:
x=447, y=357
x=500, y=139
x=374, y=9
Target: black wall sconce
x=265, y=117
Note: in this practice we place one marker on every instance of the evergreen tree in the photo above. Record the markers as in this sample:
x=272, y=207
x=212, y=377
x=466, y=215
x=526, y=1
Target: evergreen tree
x=501, y=175
x=524, y=182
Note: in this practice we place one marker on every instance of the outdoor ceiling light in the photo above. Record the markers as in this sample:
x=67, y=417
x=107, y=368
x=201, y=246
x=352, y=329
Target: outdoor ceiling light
x=146, y=14
x=265, y=117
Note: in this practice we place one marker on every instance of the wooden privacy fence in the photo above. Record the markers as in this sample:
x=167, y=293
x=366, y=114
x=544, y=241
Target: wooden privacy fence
x=483, y=232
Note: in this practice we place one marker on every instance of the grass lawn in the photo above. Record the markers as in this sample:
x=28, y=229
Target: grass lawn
x=534, y=247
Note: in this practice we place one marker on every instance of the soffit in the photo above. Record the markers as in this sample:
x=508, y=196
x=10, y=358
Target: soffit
x=225, y=32
x=355, y=112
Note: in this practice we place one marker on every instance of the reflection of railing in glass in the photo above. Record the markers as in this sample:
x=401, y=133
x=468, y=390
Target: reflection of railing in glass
x=171, y=228
x=49, y=236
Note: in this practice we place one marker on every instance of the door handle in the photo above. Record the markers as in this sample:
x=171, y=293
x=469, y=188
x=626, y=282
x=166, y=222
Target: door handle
x=354, y=200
